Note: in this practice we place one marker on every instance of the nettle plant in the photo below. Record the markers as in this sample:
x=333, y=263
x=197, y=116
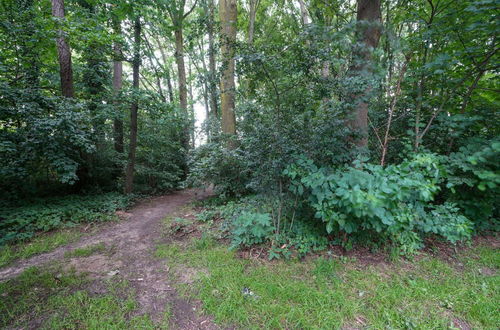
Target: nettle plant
x=251, y=228
x=394, y=201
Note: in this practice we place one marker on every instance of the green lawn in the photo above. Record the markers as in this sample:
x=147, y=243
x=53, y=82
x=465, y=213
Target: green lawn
x=40, y=244
x=332, y=292
x=53, y=299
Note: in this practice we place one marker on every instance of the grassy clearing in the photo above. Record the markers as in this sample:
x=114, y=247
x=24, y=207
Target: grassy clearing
x=49, y=299
x=333, y=292
x=41, y=244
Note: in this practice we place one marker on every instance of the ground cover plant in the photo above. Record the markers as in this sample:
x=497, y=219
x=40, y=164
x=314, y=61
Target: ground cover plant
x=21, y=222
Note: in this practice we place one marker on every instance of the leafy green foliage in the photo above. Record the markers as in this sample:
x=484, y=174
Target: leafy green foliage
x=41, y=215
x=474, y=180
x=392, y=201
x=251, y=228
x=215, y=164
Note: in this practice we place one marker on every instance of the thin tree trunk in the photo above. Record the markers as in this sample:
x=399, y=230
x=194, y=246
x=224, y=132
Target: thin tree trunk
x=228, y=16
x=211, y=62
x=392, y=107
x=166, y=70
x=304, y=15
x=251, y=26
x=63, y=52
x=117, y=86
x=181, y=73
x=191, y=109
x=181, y=68
x=157, y=74
x=421, y=83
x=368, y=34
x=129, y=174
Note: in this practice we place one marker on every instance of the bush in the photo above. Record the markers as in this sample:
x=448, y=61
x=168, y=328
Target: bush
x=41, y=215
x=215, y=164
x=473, y=179
x=393, y=201
x=251, y=228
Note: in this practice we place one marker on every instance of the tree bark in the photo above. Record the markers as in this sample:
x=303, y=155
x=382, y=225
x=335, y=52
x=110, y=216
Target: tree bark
x=368, y=35
x=166, y=71
x=129, y=174
x=63, y=52
x=304, y=14
x=228, y=16
x=181, y=67
x=251, y=25
x=117, y=86
x=192, y=119
x=211, y=62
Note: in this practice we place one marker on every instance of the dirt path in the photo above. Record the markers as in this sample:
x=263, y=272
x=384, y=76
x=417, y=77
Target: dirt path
x=133, y=241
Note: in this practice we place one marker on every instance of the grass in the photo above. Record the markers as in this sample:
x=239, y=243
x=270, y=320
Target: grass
x=86, y=251
x=330, y=293
x=49, y=299
x=41, y=244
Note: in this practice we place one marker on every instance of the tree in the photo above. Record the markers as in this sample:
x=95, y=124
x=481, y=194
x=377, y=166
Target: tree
x=211, y=58
x=117, y=86
x=63, y=51
x=368, y=30
x=252, y=11
x=175, y=9
x=228, y=17
x=129, y=174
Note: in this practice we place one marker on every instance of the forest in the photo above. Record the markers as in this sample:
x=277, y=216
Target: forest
x=236, y=143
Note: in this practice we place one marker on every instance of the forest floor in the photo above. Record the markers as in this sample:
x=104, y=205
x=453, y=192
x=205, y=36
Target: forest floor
x=120, y=252
x=160, y=267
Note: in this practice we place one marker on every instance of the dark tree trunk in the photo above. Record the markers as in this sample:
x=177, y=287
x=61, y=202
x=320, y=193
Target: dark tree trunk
x=117, y=86
x=129, y=174
x=368, y=34
x=63, y=52
x=211, y=62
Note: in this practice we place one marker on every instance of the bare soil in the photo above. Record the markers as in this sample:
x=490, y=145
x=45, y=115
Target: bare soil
x=133, y=242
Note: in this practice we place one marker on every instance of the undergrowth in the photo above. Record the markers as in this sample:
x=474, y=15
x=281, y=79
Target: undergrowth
x=22, y=222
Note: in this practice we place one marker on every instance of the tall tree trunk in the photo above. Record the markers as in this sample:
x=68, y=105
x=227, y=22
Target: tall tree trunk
x=251, y=25
x=63, y=52
x=228, y=16
x=181, y=72
x=211, y=61
x=181, y=68
x=129, y=174
x=166, y=71
x=205, y=87
x=368, y=35
x=192, y=119
x=117, y=86
x=304, y=14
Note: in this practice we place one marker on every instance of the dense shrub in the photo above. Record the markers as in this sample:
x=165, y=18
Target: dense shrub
x=40, y=215
x=215, y=164
x=473, y=175
x=393, y=201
